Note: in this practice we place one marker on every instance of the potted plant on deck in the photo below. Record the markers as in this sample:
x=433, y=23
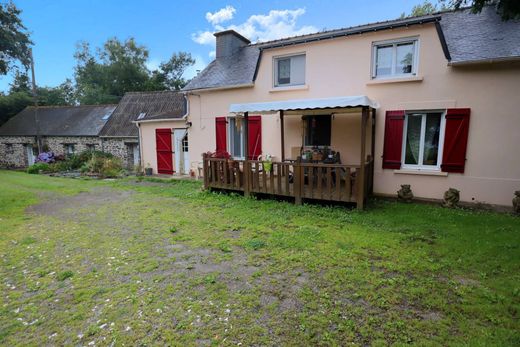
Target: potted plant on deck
x=267, y=162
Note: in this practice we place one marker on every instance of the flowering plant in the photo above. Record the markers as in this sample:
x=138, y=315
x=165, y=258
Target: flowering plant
x=46, y=157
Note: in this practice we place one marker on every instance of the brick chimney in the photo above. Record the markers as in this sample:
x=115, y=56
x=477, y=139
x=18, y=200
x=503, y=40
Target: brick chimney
x=229, y=42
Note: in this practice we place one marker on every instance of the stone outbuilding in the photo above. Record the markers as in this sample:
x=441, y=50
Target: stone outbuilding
x=63, y=130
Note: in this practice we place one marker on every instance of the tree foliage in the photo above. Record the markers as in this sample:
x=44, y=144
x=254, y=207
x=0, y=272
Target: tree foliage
x=119, y=67
x=14, y=39
x=507, y=9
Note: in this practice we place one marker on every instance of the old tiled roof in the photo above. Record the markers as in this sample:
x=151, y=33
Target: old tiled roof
x=235, y=70
x=151, y=105
x=469, y=38
x=479, y=37
x=59, y=121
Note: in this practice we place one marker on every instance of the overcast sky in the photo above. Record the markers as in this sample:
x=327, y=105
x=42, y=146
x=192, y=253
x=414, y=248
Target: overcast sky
x=167, y=26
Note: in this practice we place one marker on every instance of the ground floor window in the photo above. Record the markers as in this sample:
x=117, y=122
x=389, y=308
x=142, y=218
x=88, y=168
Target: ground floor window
x=70, y=149
x=317, y=130
x=91, y=147
x=422, y=140
x=236, y=137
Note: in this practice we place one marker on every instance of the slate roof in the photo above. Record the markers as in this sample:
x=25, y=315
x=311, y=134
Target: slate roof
x=155, y=105
x=235, y=70
x=468, y=37
x=58, y=121
x=477, y=37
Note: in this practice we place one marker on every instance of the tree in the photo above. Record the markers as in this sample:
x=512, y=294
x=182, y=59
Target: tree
x=119, y=67
x=425, y=8
x=170, y=73
x=116, y=68
x=507, y=9
x=14, y=39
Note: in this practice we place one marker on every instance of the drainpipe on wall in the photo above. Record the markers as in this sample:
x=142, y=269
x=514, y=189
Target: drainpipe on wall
x=138, y=125
x=35, y=99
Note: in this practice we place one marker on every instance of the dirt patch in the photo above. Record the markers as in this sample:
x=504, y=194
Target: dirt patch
x=65, y=206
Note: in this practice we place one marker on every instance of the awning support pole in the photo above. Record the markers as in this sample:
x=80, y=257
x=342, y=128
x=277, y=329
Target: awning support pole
x=361, y=177
x=247, y=167
x=282, y=135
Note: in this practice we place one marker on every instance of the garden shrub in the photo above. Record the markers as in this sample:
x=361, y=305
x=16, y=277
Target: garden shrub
x=103, y=165
x=37, y=168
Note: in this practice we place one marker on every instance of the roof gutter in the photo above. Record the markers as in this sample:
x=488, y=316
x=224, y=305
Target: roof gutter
x=351, y=31
x=484, y=61
x=159, y=120
x=210, y=89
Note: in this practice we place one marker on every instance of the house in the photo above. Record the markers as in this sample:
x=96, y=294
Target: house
x=430, y=101
x=158, y=120
x=61, y=129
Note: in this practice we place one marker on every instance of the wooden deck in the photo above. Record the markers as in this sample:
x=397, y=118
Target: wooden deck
x=329, y=182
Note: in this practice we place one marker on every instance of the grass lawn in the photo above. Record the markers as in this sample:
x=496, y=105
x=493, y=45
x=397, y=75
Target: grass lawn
x=145, y=263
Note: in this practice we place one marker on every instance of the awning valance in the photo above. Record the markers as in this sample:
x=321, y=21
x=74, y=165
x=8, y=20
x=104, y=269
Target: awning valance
x=304, y=104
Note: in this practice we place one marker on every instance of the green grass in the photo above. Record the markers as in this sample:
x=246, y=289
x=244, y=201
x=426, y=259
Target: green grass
x=163, y=262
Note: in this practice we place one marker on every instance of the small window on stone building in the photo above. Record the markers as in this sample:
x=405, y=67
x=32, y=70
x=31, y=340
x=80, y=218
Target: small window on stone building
x=69, y=149
x=9, y=148
x=91, y=147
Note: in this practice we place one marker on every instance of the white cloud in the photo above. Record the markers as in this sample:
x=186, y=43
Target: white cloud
x=203, y=38
x=259, y=27
x=222, y=15
x=212, y=54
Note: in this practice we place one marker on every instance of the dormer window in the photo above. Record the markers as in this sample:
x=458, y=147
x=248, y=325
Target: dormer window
x=396, y=58
x=289, y=70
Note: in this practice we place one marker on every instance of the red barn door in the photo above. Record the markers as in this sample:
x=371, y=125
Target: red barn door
x=163, y=140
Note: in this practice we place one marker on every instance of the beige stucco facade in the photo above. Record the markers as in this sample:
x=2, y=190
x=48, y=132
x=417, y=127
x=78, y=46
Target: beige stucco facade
x=342, y=67
x=148, y=142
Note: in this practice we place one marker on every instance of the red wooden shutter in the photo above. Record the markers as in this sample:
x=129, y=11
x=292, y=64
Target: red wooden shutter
x=164, y=149
x=255, y=137
x=455, y=140
x=393, y=144
x=220, y=126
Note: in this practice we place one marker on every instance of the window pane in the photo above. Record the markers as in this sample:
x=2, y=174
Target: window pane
x=236, y=137
x=413, y=138
x=383, y=60
x=284, y=71
x=318, y=129
x=404, y=53
x=297, y=70
x=431, y=139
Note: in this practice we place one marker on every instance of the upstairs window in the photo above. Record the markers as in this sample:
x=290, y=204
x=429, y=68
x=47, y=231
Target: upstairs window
x=289, y=71
x=394, y=58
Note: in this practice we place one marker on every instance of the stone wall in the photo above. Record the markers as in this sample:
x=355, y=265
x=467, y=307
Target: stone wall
x=122, y=147
x=80, y=143
x=13, y=152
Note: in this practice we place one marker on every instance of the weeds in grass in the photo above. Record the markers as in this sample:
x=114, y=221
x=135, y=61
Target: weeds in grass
x=62, y=276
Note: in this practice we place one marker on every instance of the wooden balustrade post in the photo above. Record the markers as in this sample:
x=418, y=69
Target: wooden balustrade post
x=247, y=178
x=297, y=183
x=205, y=170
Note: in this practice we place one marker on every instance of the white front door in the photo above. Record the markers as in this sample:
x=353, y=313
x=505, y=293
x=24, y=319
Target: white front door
x=182, y=163
x=30, y=154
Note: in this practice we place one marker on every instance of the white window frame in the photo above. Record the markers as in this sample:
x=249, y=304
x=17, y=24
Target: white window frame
x=394, y=43
x=70, y=146
x=275, y=70
x=230, y=139
x=421, y=141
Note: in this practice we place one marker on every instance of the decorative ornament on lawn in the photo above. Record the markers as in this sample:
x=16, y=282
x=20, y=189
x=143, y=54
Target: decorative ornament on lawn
x=405, y=193
x=516, y=202
x=451, y=198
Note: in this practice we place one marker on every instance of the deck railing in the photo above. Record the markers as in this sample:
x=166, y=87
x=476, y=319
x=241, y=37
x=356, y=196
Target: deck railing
x=331, y=182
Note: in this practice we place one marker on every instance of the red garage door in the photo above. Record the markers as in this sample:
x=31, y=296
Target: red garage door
x=163, y=140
